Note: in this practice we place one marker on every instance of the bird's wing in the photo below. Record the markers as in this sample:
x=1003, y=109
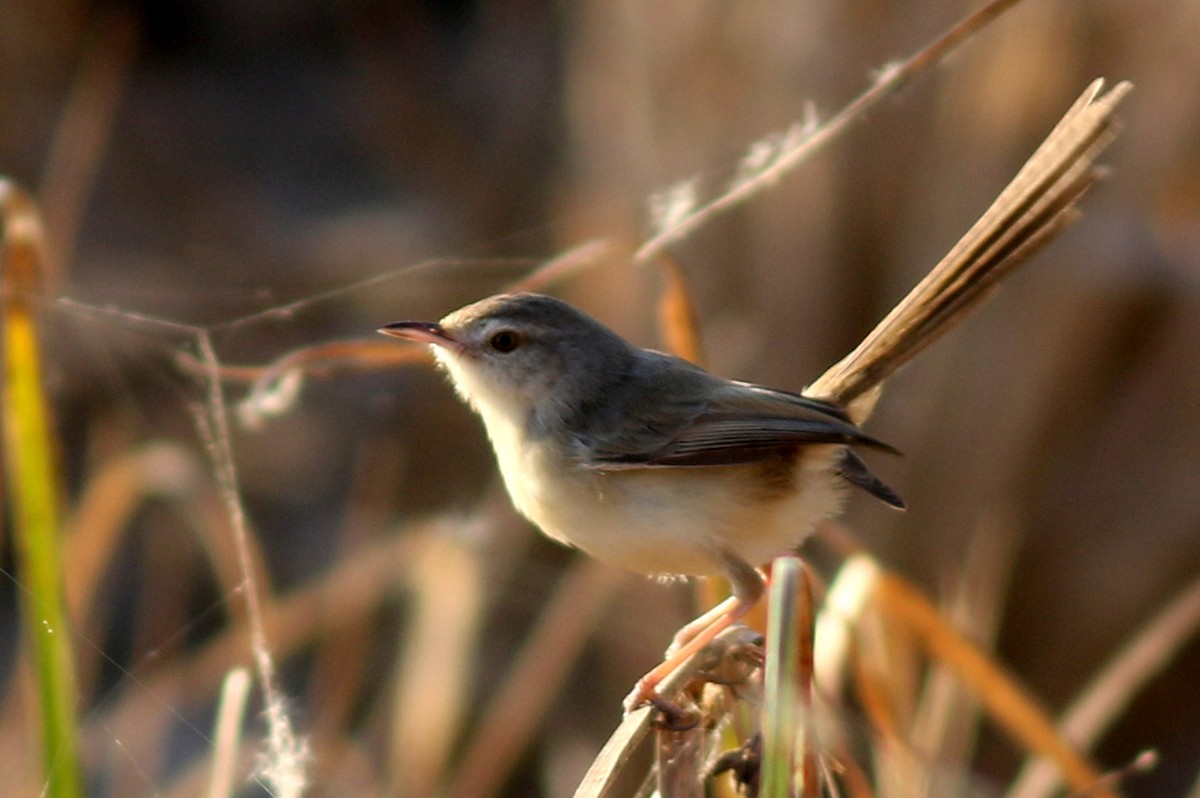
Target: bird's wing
x=715, y=422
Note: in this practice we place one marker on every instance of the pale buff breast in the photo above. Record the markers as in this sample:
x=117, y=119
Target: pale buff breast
x=674, y=520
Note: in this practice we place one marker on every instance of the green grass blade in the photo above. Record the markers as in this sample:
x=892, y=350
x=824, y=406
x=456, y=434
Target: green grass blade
x=33, y=485
x=781, y=699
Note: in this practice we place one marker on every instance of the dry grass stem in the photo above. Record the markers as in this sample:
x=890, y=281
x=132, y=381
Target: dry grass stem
x=83, y=132
x=1109, y=693
x=433, y=677
x=602, y=777
x=677, y=316
x=1035, y=206
x=1005, y=701
x=511, y=716
x=227, y=732
x=769, y=160
x=581, y=257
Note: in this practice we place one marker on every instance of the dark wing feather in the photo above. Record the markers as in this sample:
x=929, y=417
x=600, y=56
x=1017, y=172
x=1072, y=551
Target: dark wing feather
x=851, y=468
x=691, y=418
x=716, y=439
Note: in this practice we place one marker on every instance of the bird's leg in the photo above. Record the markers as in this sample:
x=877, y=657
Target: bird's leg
x=748, y=588
x=697, y=625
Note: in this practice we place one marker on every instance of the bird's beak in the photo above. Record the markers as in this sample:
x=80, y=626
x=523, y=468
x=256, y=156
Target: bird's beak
x=422, y=332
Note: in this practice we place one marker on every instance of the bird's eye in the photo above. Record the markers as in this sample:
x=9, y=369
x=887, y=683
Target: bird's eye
x=504, y=341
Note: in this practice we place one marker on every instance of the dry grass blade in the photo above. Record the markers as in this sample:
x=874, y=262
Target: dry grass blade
x=118, y=489
x=1114, y=687
x=810, y=745
x=227, y=732
x=319, y=360
x=947, y=718
x=1144, y=762
x=585, y=256
x=108, y=503
x=355, y=588
x=855, y=645
x=807, y=138
x=433, y=673
x=539, y=671
x=83, y=132
x=609, y=764
x=1036, y=206
x=677, y=317
x=1005, y=700
x=115, y=493
x=845, y=603
x=884, y=664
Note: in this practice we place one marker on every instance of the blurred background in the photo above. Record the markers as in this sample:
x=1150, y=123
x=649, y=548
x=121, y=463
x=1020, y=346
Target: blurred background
x=281, y=175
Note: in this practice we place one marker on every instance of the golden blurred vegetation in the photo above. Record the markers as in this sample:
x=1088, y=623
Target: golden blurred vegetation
x=272, y=176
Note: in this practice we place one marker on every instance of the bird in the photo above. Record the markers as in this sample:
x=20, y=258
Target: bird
x=650, y=462
x=638, y=457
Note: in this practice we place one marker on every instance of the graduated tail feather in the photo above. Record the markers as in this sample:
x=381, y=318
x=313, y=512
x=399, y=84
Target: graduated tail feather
x=1036, y=206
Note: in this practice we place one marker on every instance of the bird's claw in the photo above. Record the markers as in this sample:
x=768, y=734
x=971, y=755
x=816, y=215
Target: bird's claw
x=643, y=693
x=671, y=716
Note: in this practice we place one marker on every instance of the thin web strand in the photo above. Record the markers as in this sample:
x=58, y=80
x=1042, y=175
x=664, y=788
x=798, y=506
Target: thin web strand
x=284, y=765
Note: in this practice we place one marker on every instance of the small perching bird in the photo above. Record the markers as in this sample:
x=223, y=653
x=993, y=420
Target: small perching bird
x=647, y=461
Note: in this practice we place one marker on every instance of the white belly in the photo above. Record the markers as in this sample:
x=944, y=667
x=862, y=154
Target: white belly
x=670, y=520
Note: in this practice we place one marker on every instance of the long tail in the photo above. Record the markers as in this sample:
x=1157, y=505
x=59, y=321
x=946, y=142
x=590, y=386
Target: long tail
x=1035, y=207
